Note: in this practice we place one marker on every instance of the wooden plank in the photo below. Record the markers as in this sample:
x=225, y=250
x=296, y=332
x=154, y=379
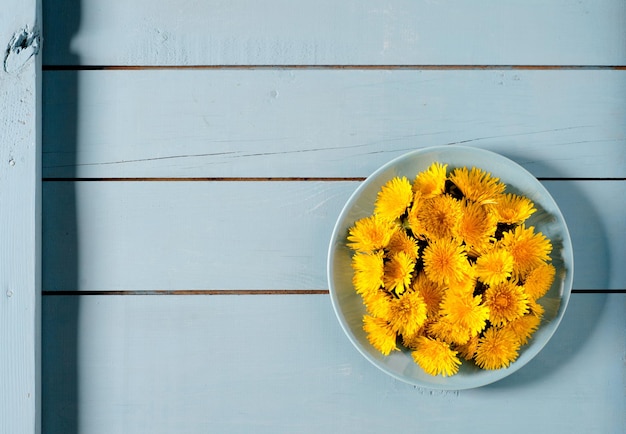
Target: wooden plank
x=257, y=235
x=281, y=364
x=20, y=217
x=248, y=32
x=310, y=123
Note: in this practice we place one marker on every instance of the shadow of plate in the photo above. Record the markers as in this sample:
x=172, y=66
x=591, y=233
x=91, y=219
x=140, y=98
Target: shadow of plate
x=578, y=324
x=583, y=310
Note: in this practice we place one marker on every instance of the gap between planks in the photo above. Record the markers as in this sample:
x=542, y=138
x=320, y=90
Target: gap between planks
x=206, y=179
x=267, y=179
x=337, y=67
x=253, y=292
x=195, y=292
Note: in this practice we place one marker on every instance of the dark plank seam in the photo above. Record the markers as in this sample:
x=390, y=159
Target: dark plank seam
x=253, y=292
x=266, y=179
x=336, y=67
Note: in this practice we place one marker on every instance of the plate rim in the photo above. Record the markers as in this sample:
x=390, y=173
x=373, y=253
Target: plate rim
x=439, y=382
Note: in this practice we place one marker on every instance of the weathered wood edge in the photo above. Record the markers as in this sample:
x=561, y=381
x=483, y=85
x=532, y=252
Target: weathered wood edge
x=20, y=217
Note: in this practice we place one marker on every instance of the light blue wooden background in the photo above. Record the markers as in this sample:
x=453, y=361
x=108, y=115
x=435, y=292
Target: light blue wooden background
x=197, y=154
x=20, y=217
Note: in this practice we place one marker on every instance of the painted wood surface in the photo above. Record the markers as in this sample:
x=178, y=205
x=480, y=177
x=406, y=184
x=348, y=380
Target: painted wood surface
x=20, y=217
x=258, y=235
x=328, y=123
x=200, y=91
x=269, y=364
x=324, y=32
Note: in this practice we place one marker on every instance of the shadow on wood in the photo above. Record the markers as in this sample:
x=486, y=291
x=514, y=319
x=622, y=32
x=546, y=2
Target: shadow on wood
x=591, y=247
x=60, y=382
x=583, y=311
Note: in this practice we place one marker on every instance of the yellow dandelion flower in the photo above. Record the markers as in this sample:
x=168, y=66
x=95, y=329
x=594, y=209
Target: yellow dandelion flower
x=464, y=287
x=539, y=280
x=494, y=266
x=465, y=310
x=477, y=225
x=535, y=308
x=477, y=185
x=468, y=349
x=446, y=330
x=513, y=209
x=529, y=249
x=431, y=292
x=445, y=261
x=439, y=217
x=432, y=181
x=370, y=233
x=524, y=327
x=378, y=303
x=413, y=217
x=436, y=357
x=446, y=266
x=410, y=341
x=506, y=301
x=403, y=242
x=398, y=272
x=380, y=334
x=368, y=272
x=393, y=199
x=496, y=349
x=407, y=313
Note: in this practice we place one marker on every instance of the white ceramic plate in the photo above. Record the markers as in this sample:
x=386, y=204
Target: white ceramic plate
x=548, y=219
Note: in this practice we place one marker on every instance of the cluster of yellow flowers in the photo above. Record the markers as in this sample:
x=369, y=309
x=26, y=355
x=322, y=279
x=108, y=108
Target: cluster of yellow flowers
x=447, y=268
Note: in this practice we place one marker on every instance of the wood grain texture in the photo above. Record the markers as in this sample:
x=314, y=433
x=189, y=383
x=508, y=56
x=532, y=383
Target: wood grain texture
x=20, y=214
x=308, y=123
x=267, y=354
x=257, y=235
x=268, y=364
x=370, y=32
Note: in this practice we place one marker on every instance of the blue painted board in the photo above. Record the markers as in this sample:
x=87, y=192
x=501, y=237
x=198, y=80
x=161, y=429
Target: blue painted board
x=20, y=217
x=257, y=235
x=329, y=123
x=326, y=32
x=281, y=364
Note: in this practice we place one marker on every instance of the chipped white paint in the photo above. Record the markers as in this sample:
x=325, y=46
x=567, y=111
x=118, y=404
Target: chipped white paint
x=23, y=45
x=20, y=218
